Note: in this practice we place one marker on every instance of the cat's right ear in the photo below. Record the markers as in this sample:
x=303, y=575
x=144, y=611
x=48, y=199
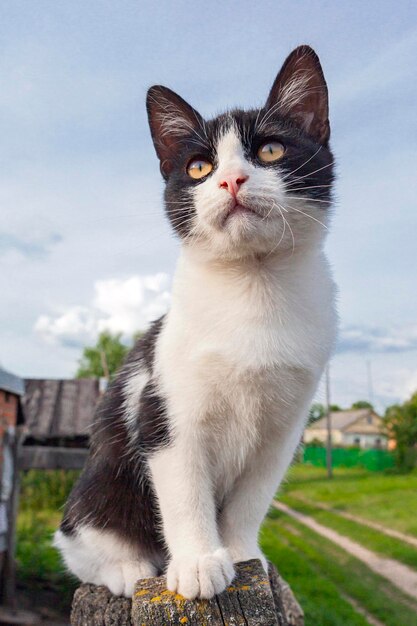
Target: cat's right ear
x=300, y=92
x=171, y=119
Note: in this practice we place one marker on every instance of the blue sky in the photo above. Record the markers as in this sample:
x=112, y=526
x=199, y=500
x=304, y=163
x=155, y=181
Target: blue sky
x=83, y=241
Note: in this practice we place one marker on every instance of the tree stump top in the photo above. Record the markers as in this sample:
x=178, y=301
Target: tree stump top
x=253, y=599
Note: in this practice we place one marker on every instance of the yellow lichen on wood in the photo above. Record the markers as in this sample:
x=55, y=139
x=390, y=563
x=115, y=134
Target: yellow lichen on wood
x=156, y=599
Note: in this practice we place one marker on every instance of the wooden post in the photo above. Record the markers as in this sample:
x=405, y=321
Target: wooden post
x=9, y=582
x=329, y=445
x=253, y=599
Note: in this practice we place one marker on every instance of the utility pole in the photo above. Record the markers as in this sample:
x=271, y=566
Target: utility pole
x=329, y=426
x=370, y=384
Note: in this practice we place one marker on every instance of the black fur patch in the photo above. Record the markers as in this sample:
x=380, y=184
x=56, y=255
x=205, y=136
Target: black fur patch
x=144, y=349
x=114, y=492
x=152, y=418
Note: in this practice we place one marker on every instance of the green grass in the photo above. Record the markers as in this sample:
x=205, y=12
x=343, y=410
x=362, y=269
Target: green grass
x=43, y=494
x=371, y=539
x=46, y=489
x=321, y=573
x=390, y=499
x=319, y=597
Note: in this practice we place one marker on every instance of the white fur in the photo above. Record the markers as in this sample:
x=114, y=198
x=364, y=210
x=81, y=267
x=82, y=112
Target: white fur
x=249, y=338
x=133, y=388
x=101, y=558
x=238, y=359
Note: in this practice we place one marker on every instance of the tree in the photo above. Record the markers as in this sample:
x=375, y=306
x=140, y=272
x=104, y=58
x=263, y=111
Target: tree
x=103, y=359
x=401, y=425
x=335, y=407
x=362, y=404
x=316, y=412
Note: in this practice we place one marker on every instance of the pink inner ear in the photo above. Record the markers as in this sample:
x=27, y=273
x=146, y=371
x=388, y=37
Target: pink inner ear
x=300, y=92
x=307, y=118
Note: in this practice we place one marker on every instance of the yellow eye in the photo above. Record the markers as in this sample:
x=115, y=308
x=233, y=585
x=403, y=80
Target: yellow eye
x=199, y=168
x=271, y=151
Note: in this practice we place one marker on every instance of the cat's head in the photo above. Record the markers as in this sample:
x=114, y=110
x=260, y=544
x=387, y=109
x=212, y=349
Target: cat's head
x=252, y=182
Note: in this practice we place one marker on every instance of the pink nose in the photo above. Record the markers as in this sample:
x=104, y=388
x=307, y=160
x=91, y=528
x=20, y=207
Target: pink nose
x=233, y=182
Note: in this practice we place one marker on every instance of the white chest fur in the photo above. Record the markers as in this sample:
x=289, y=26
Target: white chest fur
x=240, y=343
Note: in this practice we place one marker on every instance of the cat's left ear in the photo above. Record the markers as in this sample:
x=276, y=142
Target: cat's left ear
x=300, y=92
x=171, y=119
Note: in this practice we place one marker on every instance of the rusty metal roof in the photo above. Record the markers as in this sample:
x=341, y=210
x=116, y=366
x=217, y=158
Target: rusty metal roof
x=11, y=383
x=60, y=408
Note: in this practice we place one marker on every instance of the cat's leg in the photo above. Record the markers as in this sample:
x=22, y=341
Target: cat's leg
x=246, y=506
x=101, y=558
x=199, y=566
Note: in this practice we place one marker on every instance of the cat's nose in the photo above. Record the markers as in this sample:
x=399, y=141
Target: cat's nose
x=233, y=182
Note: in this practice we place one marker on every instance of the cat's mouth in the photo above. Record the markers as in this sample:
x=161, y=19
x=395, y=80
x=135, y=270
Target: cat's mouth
x=237, y=209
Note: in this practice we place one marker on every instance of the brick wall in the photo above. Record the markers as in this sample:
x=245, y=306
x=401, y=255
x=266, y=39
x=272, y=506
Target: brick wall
x=8, y=414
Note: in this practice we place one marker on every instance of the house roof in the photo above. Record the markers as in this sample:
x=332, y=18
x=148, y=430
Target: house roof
x=11, y=383
x=60, y=408
x=344, y=420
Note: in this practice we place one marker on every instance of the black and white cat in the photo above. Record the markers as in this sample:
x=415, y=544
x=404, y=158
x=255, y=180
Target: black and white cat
x=198, y=428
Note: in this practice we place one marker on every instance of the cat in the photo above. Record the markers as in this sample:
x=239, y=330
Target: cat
x=197, y=430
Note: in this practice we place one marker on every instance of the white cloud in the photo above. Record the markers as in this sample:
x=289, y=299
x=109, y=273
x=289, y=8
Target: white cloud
x=401, y=384
x=357, y=338
x=119, y=305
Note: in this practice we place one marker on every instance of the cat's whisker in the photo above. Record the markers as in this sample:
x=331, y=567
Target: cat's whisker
x=282, y=234
x=308, y=215
x=298, y=178
x=283, y=230
x=303, y=164
x=290, y=189
x=308, y=199
x=292, y=234
x=269, y=213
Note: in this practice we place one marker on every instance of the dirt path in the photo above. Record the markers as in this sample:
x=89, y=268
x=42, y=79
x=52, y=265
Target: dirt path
x=373, y=621
x=396, y=534
x=400, y=575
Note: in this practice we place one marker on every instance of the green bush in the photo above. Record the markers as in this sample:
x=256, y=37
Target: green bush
x=39, y=566
x=46, y=489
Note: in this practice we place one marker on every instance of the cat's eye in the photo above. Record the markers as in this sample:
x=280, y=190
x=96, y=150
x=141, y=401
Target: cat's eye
x=198, y=168
x=271, y=151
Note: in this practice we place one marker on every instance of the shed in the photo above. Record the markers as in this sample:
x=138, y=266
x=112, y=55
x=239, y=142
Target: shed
x=59, y=414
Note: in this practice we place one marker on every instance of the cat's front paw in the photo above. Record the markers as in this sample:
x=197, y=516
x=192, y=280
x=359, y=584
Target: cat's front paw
x=239, y=554
x=201, y=576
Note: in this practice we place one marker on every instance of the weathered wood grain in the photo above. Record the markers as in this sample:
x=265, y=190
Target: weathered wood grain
x=48, y=457
x=96, y=606
x=253, y=599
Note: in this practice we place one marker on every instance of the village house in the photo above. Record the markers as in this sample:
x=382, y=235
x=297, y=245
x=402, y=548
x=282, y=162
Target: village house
x=359, y=427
